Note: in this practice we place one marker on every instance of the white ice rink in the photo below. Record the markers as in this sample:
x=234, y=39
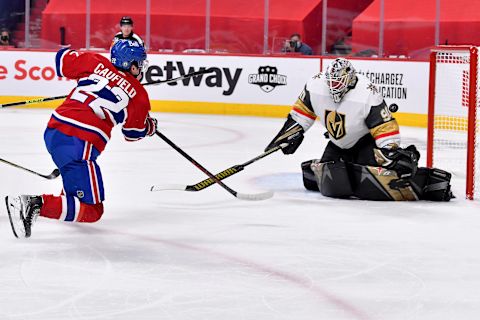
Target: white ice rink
x=208, y=256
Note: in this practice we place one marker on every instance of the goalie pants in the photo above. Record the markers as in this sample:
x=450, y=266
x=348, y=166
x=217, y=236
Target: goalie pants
x=83, y=192
x=360, y=153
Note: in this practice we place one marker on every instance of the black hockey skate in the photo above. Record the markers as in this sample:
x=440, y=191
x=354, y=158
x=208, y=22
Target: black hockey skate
x=22, y=212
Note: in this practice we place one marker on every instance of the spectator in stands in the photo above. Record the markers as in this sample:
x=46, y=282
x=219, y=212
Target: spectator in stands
x=295, y=44
x=5, y=38
x=126, y=31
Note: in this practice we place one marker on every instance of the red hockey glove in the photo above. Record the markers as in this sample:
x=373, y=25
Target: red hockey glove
x=151, y=126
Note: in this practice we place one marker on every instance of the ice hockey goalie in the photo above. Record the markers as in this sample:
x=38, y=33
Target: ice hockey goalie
x=363, y=158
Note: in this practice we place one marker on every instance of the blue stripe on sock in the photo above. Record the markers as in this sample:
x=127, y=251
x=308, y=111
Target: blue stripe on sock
x=70, y=209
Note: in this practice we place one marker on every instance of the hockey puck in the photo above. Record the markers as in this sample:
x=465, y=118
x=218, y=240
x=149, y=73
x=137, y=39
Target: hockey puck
x=393, y=107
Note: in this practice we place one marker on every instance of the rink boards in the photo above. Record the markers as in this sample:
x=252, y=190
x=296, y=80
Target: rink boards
x=237, y=85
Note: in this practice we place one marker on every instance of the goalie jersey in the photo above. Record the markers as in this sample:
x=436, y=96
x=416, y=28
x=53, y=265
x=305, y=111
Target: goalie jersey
x=361, y=111
x=103, y=98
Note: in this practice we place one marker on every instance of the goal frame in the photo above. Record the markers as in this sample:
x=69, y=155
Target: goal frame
x=472, y=105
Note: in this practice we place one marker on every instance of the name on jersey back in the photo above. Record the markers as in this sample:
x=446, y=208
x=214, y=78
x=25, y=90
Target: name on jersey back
x=124, y=84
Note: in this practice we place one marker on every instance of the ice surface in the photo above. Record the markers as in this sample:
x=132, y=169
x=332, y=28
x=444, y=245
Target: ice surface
x=206, y=255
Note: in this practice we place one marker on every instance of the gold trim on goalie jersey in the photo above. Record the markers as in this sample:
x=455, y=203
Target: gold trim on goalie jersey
x=300, y=107
x=335, y=124
x=386, y=129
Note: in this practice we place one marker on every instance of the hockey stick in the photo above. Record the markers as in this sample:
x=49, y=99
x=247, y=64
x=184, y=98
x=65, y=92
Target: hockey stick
x=55, y=173
x=230, y=171
x=38, y=100
x=243, y=196
x=220, y=176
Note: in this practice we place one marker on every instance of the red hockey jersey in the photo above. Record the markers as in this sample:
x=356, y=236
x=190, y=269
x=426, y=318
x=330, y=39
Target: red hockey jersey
x=103, y=98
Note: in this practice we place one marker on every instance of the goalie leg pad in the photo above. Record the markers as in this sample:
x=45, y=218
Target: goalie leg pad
x=332, y=178
x=380, y=184
x=433, y=184
x=309, y=180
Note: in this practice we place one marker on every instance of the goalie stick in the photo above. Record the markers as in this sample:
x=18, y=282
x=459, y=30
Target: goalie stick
x=220, y=176
x=55, y=173
x=243, y=196
x=38, y=100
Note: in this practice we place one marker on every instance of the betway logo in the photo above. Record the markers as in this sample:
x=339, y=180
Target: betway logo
x=220, y=78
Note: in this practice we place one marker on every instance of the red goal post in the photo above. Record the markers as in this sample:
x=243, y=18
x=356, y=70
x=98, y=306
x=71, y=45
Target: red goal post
x=453, y=103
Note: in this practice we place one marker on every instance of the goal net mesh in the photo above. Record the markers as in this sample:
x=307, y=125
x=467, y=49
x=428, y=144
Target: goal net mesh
x=451, y=115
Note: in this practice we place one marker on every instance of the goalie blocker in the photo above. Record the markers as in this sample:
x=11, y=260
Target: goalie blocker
x=339, y=179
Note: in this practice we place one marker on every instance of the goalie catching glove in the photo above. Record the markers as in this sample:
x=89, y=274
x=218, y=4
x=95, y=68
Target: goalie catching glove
x=403, y=161
x=290, y=134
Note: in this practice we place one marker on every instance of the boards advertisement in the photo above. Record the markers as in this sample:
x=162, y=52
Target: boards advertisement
x=246, y=85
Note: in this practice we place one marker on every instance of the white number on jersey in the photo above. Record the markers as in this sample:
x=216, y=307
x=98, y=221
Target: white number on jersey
x=103, y=95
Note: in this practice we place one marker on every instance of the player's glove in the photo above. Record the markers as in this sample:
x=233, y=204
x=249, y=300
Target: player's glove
x=291, y=135
x=151, y=126
x=403, y=161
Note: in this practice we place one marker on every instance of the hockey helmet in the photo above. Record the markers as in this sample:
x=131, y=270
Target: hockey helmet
x=340, y=74
x=126, y=52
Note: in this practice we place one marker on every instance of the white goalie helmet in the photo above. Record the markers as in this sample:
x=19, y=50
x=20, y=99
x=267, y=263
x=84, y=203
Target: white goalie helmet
x=340, y=74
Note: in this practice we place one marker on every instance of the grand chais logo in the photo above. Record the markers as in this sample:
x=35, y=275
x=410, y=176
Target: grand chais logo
x=267, y=78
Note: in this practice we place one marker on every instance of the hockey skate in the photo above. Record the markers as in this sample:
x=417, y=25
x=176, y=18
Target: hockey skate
x=22, y=212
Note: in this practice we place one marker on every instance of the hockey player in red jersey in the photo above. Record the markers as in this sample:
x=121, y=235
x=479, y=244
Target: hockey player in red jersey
x=107, y=93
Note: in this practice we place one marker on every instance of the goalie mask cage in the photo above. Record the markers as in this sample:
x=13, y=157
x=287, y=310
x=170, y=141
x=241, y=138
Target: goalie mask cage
x=453, y=101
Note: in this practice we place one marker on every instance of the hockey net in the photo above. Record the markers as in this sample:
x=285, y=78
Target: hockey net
x=453, y=129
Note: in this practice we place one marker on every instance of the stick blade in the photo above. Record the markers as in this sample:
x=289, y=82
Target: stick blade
x=173, y=186
x=256, y=196
x=242, y=196
x=55, y=173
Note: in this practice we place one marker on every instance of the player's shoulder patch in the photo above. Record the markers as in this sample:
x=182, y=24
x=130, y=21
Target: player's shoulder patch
x=373, y=88
x=317, y=76
x=314, y=80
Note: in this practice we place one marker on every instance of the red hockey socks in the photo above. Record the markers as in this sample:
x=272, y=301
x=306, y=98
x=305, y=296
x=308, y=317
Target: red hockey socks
x=68, y=208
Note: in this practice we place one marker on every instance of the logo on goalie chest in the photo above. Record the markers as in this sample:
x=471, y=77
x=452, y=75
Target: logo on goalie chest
x=335, y=124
